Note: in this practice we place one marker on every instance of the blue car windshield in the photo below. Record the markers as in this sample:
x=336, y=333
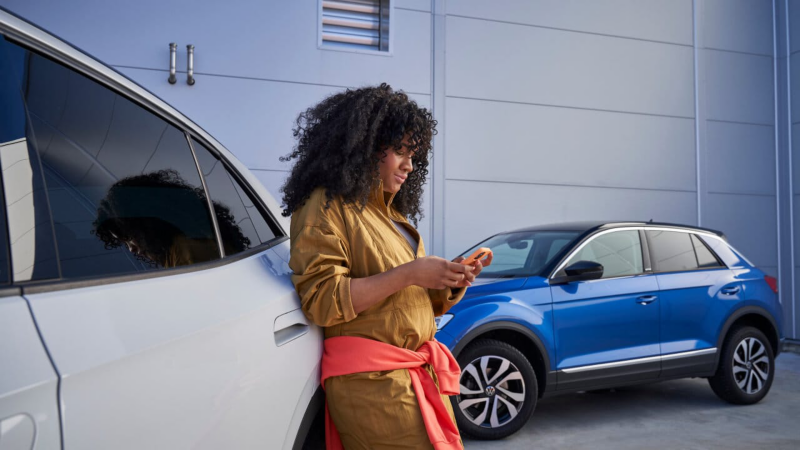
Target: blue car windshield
x=523, y=253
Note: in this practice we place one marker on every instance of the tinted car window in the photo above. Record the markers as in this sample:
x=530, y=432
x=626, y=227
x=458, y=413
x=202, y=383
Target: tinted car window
x=523, y=253
x=30, y=230
x=241, y=224
x=704, y=256
x=671, y=251
x=124, y=191
x=620, y=253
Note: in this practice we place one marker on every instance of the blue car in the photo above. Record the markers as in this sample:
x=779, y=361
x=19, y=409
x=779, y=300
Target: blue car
x=594, y=305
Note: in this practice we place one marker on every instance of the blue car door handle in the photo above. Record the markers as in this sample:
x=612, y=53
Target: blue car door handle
x=646, y=299
x=730, y=290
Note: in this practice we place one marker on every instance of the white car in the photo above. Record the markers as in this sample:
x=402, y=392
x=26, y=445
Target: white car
x=145, y=295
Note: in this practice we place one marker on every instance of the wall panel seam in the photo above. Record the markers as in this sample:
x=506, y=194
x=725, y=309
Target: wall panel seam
x=273, y=80
x=569, y=107
x=412, y=9
x=777, y=136
x=588, y=186
x=570, y=30
x=763, y=55
x=697, y=128
x=750, y=194
x=737, y=122
x=791, y=174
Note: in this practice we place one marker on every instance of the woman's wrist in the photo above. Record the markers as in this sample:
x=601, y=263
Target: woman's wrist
x=407, y=274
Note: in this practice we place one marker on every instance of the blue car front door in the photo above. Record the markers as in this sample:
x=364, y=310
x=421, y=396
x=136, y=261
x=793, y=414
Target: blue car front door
x=607, y=330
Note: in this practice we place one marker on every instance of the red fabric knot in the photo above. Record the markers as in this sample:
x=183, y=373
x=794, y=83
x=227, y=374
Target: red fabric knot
x=344, y=355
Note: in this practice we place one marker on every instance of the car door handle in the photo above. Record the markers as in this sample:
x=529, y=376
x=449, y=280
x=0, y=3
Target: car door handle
x=289, y=327
x=730, y=290
x=646, y=299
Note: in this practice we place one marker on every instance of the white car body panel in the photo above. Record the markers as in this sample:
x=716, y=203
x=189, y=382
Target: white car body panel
x=28, y=383
x=181, y=361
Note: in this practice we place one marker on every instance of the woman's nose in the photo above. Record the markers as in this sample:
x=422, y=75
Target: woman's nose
x=408, y=165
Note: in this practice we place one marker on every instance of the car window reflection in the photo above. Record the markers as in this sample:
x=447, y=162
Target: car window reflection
x=162, y=220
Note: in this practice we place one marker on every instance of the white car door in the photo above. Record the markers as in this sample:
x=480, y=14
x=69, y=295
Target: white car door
x=198, y=360
x=156, y=287
x=28, y=383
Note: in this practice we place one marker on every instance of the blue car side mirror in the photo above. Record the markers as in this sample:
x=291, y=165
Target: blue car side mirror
x=580, y=271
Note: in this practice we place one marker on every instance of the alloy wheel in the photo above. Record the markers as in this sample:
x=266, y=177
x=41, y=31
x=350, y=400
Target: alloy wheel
x=750, y=365
x=492, y=391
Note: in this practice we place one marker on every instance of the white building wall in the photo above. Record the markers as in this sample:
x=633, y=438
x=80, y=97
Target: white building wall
x=562, y=111
x=549, y=110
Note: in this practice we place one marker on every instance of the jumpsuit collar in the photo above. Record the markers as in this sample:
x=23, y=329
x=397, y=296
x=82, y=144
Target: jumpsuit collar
x=383, y=200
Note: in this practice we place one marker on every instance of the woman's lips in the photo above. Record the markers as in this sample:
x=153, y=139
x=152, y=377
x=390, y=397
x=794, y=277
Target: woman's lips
x=399, y=178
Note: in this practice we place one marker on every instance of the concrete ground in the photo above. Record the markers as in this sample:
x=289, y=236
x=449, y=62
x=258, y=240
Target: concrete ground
x=681, y=414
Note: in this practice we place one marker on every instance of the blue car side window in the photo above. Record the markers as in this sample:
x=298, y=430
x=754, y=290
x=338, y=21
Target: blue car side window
x=619, y=252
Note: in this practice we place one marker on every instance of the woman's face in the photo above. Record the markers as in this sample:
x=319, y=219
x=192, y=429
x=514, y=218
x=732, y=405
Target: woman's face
x=395, y=166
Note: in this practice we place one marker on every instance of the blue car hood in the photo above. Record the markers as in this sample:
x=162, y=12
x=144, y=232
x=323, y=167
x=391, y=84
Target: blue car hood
x=487, y=286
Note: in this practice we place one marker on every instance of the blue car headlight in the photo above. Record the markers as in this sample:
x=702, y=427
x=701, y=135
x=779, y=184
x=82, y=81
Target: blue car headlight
x=442, y=320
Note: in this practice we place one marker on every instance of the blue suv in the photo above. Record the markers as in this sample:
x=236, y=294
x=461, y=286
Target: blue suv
x=591, y=305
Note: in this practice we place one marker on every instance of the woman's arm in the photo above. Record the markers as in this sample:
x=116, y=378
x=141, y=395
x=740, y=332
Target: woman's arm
x=429, y=272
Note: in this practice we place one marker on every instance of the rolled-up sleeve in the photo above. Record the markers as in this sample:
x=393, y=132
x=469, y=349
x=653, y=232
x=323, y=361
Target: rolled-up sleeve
x=443, y=299
x=321, y=266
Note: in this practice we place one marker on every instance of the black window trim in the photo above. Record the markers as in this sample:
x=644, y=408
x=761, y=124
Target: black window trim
x=209, y=202
x=48, y=50
x=41, y=286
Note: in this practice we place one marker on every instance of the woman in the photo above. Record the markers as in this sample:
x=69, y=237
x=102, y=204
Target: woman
x=359, y=266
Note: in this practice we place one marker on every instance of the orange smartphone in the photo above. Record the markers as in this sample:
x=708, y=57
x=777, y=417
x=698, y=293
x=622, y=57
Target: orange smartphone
x=478, y=255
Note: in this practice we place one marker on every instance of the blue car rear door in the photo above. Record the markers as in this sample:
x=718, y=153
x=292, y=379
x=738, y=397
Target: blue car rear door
x=696, y=294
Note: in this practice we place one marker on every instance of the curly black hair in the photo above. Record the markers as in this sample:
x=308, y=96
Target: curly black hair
x=152, y=209
x=341, y=140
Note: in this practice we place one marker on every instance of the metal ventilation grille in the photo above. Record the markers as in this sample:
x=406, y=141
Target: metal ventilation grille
x=356, y=24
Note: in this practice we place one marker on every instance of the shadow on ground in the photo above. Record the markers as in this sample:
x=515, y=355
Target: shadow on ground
x=680, y=414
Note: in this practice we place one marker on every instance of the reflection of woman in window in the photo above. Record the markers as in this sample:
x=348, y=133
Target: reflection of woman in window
x=164, y=221
x=361, y=271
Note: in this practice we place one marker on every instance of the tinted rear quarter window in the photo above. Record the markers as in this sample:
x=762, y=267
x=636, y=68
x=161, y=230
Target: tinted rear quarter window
x=705, y=259
x=242, y=225
x=671, y=251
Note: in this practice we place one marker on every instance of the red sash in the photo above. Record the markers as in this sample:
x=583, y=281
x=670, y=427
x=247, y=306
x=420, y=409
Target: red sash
x=344, y=355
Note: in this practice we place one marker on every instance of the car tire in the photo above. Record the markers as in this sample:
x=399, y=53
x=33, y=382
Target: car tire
x=746, y=367
x=500, y=407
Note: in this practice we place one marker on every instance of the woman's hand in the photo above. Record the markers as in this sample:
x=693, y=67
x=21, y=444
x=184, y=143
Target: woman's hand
x=433, y=272
x=477, y=267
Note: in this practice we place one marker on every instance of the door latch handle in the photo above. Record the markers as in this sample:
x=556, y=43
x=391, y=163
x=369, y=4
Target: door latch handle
x=190, y=65
x=290, y=326
x=173, y=50
x=730, y=290
x=646, y=299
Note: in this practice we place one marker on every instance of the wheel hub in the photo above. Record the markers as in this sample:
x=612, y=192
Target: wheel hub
x=492, y=391
x=751, y=365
